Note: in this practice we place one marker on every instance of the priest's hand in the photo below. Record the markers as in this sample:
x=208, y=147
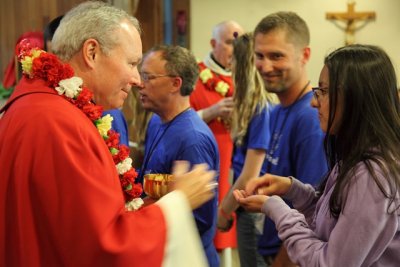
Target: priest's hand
x=224, y=108
x=198, y=184
x=148, y=201
x=221, y=110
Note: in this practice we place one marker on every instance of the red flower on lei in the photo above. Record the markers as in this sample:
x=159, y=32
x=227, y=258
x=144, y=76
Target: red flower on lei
x=38, y=64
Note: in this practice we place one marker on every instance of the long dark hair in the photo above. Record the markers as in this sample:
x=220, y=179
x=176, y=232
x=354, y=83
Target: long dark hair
x=362, y=81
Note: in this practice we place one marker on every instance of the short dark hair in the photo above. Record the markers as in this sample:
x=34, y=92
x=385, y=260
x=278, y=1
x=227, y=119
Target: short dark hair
x=50, y=29
x=296, y=28
x=179, y=62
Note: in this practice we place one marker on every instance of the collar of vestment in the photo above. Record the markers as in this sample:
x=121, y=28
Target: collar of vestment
x=212, y=65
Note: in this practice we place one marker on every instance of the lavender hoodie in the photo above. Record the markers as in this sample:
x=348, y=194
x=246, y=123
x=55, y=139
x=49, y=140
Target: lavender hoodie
x=365, y=234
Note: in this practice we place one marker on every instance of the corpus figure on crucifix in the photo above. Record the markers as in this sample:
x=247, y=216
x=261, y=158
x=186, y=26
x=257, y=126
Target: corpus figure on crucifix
x=351, y=18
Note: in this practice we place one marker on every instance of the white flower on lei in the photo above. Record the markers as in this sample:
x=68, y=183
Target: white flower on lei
x=70, y=87
x=124, y=165
x=134, y=204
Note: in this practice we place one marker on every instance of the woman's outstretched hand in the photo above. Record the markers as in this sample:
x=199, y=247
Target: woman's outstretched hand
x=259, y=189
x=252, y=203
x=269, y=185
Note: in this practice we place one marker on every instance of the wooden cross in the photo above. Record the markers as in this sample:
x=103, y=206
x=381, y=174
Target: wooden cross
x=351, y=18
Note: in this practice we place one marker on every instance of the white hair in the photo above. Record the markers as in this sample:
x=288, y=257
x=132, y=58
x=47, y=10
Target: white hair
x=92, y=19
x=221, y=27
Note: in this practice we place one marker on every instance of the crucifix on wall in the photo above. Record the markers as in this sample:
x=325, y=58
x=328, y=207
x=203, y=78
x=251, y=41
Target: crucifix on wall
x=351, y=18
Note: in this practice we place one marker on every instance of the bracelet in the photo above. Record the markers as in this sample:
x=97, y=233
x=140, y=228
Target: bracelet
x=229, y=217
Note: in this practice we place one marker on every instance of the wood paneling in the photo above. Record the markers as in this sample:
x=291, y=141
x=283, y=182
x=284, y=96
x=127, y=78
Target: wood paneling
x=20, y=16
x=150, y=15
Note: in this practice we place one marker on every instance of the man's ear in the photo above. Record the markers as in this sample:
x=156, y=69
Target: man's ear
x=177, y=83
x=90, y=51
x=306, y=54
x=213, y=43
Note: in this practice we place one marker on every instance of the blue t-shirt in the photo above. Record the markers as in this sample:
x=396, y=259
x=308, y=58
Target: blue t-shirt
x=188, y=138
x=257, y=137
x=296, y=149
x=119, y=125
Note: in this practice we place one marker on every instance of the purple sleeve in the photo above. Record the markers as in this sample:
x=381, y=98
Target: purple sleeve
x=360, y=236
x=303, y=197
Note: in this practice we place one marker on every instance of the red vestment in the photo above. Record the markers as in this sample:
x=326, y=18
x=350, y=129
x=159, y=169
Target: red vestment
x=203, y=97
x=61, y=202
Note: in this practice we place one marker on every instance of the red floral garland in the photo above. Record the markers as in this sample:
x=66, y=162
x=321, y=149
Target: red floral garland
x=212, y=82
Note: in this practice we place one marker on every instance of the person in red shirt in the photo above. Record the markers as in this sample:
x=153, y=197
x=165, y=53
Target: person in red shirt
x=212, y=98
x=66, y=184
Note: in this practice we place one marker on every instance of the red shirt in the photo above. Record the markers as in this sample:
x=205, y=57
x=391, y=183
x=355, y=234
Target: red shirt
x=61, y=203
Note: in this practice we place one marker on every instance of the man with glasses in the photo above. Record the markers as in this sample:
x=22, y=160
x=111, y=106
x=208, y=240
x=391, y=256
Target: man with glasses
x=176, y=132
x=281, y=45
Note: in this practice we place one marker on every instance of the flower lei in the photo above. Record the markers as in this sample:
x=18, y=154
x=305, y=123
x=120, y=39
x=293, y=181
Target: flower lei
x=212, y=81
x=38, y=64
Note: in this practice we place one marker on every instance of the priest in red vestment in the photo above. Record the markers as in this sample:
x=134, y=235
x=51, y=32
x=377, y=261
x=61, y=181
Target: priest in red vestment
x=212, y=98
x=63, y=191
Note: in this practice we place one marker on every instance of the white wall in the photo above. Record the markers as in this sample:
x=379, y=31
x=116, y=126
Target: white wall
x=325, y=36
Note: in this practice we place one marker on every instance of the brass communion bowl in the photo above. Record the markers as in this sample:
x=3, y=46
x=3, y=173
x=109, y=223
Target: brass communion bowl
x=156, y=185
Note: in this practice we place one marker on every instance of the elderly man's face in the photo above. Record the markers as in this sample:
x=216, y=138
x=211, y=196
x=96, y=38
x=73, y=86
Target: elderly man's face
x=117, y=71
x=223, y=46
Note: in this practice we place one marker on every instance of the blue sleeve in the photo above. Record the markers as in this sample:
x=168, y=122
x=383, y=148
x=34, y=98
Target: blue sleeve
x=259, y=132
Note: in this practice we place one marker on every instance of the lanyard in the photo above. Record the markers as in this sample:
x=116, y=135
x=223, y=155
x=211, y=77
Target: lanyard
x=277, y=135
x=156, y=141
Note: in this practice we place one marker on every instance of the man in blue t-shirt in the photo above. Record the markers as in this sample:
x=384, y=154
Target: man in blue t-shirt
x=176, y=132
x=281, y=44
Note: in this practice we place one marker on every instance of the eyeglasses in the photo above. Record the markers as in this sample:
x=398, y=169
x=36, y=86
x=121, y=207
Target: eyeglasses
x=319, y=92
x=145, y=77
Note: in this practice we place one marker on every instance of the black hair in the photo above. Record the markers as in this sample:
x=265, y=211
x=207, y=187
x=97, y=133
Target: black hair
x=362, y=83
x=50, y=29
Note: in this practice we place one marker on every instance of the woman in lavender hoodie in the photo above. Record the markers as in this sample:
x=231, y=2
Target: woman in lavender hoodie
x=353, y=218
